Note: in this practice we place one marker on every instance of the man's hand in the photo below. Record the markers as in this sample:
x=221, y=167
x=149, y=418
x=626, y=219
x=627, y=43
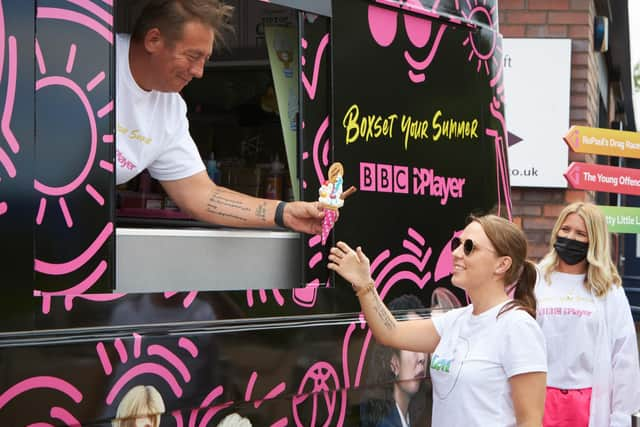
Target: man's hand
x=305, y=217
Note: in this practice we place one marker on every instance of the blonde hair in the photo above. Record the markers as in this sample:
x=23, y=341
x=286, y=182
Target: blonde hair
x=140, y=401
x=234, y=420
x=601, y=271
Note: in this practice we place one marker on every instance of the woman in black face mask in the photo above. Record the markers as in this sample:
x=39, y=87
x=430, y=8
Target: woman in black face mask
x=594, y=377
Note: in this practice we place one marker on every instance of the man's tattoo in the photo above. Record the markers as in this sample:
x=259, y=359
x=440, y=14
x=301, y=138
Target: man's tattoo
x=261, y=211
x=224, y=204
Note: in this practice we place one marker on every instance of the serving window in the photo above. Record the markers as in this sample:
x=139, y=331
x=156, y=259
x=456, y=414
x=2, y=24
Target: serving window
x=234, y=114
x=244, y=115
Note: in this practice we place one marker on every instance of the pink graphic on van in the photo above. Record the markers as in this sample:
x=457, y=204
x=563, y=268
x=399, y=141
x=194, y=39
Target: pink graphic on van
x=480, y=13
x=160, y=357
x=313, y=86
x=383, y=24
x=21, y=388
x=5, y=124
x=320, y=387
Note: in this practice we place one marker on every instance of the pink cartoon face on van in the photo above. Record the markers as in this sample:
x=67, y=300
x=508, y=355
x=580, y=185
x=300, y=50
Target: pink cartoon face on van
x=424, y=34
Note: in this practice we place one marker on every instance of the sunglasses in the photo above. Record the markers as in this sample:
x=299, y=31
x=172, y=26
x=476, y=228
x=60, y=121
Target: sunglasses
x=468, y=245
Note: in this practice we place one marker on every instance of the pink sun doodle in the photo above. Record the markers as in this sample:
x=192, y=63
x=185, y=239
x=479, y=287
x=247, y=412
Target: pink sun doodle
x=159, y=361
x=64, y=83
x=482, y=55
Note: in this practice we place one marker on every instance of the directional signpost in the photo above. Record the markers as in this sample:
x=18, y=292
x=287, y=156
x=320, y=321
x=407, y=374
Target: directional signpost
x=610, y=179
x=622, y=219
x=607, y=142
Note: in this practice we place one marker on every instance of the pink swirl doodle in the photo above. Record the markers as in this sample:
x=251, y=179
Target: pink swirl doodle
x=40, y=382
x=104, y=358
x=272, y=394
x=401, y=259
x=141, y=369
x=315, y=259
x=64, y=416
x=65, y=212
x=188, y=300
x=78, y=18
x=213, y=395
x=75, y=290
x=94, y=194
x=2, y=38
x=71, y=58
x=189, y=346
x=40, y=58
x=167, y=355
x=122, y=351
x=68, y=299
x=82, y=259
x=98, y=11
x=312, y=87
x=324, y=126
x=501, y=164
x=8, y=106
x=137, y=345
x=262, y=293
x=92, y=85
x=424, y=64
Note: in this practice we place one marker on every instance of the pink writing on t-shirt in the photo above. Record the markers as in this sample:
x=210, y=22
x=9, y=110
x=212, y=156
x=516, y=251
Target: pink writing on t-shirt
x=124, y=162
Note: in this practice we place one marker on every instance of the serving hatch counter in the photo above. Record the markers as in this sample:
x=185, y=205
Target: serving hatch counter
x=172, y=260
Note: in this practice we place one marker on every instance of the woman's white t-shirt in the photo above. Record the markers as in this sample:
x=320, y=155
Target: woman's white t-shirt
x=152, y=131
x=569, y=318
x=474, y=360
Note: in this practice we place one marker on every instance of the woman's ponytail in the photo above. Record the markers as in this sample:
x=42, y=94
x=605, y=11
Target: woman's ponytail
x=524, y=297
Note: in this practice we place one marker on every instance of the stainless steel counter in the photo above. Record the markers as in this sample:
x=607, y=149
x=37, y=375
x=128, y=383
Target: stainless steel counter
x=155, y=260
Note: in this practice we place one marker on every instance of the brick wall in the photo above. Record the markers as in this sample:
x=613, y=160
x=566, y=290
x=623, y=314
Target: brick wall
x=535, y=210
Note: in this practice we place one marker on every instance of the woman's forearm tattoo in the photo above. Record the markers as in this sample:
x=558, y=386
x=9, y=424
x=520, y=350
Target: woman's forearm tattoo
x=384, y=315
x=225, y=204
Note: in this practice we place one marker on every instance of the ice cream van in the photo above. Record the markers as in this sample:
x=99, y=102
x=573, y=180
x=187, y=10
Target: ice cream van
x=118, y=309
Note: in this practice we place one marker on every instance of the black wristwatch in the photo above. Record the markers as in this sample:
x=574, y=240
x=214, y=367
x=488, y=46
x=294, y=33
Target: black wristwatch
x=279, y=218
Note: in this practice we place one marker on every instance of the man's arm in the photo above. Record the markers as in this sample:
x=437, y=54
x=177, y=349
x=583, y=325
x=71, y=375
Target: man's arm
x=202, y=199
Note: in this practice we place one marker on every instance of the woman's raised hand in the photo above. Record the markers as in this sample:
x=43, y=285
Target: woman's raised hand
x=352, y=265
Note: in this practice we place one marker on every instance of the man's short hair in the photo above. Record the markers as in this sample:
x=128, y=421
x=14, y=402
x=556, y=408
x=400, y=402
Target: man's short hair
x=170, y=16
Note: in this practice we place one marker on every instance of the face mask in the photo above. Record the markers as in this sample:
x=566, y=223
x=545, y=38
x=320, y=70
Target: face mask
x=571, y=251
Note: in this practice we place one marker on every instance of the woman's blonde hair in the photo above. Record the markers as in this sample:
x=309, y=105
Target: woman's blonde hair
x=140, y=401
x=601, y=271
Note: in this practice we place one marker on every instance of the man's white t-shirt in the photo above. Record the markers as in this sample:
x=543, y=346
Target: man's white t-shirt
x=569, y=318
x=472, y=364
x=152, y=131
